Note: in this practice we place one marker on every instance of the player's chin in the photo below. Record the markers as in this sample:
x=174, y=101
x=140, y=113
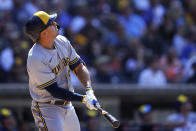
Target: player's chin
x=57, y=33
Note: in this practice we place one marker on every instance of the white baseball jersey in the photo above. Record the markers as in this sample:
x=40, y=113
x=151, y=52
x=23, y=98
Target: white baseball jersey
x=46, y=66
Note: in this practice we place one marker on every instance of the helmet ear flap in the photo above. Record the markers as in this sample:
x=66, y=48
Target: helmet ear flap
x=34, y=36
x=31, y=32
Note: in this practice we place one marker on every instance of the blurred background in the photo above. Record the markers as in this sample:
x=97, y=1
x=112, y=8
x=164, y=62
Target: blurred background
x=141, y=55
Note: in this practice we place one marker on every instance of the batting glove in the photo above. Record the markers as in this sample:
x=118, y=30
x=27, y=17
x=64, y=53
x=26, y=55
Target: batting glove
x=90, y=93
x=89, y=102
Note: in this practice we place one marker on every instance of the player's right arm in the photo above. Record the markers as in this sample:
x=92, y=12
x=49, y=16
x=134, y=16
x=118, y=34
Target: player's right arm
x=45, y=79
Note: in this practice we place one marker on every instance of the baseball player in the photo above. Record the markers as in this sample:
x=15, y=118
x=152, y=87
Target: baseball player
x=49, y=63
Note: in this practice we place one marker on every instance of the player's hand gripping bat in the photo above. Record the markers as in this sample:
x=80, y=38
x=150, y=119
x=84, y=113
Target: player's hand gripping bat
x=111, y=119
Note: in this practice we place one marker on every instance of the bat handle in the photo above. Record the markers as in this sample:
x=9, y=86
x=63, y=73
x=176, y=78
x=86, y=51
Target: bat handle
x=102, y=111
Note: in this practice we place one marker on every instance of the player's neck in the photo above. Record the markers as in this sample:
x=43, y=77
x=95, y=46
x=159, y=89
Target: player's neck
x=47, y=43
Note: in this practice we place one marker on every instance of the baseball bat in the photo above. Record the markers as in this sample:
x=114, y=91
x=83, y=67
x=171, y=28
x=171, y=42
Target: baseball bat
x=111, y=119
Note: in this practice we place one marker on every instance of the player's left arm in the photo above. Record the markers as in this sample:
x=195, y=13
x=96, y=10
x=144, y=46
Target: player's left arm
x=83, y=75
x=78, y=66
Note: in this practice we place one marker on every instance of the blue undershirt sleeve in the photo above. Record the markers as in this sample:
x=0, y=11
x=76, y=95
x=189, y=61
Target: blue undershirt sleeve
x=62, y=93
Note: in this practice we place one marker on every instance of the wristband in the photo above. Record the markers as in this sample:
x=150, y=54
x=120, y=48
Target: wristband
x=88, y=88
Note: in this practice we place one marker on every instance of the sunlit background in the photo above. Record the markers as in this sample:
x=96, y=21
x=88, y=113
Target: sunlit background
x=137, y=51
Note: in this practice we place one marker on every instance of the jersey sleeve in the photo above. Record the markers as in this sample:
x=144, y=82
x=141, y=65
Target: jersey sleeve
x=74, y=58
x=40, y=73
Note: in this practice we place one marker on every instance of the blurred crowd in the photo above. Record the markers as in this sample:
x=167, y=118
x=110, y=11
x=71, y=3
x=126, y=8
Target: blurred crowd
x=8, y=122
x=122, y=41
x=180, y=118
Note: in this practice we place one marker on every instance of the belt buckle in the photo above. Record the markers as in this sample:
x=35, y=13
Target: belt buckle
x=65, y=103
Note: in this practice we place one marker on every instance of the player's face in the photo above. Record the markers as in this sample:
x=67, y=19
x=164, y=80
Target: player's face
x=186, y=107
x=51, y=31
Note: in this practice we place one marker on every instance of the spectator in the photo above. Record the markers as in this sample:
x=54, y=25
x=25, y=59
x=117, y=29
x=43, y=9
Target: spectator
x=95, y=25
x=141, y=5
x=171, y=66
x=152, y=75
x=155, y=13
x=152, y=40
x=133, y=23
x=6, y=5
x=188, y=71
x=8, y=120
x=145, y=124
x=6, y=54
x=103, y=65
x=193, y=78
x=25, y=126
x=133, y=61
x=189, y=49
x=167, y=31
x=179, y=40
x=79, y=21
x=183, y=119
x=145, y=113
x=31, y=7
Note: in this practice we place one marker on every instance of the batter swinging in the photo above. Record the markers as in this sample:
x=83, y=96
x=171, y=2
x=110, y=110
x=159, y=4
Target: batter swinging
x=49, y=63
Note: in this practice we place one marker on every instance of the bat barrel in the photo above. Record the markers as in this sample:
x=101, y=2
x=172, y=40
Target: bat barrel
x=111, y=119
x=116, y=124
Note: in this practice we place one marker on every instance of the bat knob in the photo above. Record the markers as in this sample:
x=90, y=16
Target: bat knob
x=116, y=124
